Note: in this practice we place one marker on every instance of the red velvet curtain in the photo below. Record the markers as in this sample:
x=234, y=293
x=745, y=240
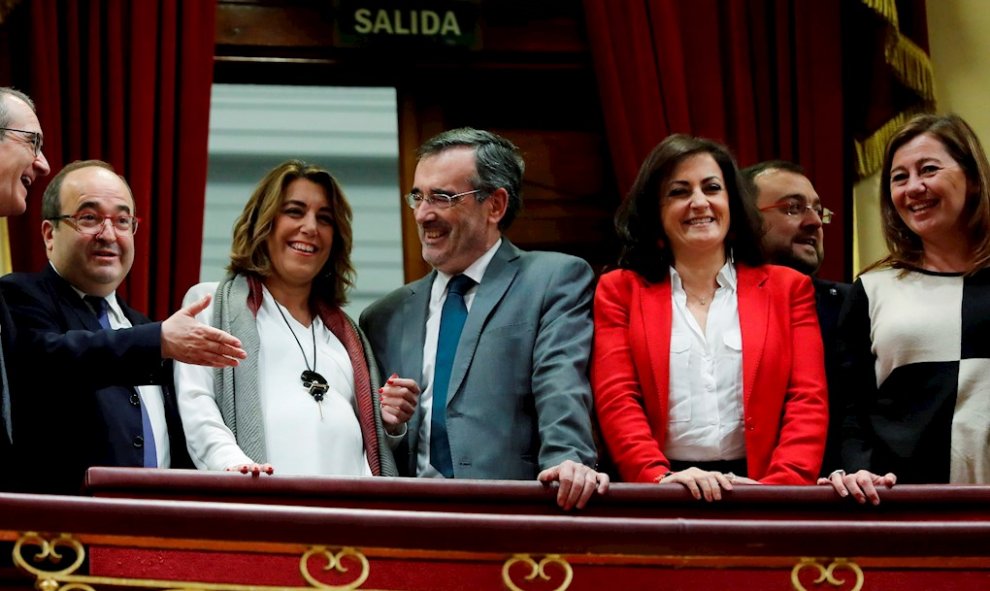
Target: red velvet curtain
x=129, y=83
x=762, y=76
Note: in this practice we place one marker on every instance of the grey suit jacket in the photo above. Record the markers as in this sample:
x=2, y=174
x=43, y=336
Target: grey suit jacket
x=519, y=399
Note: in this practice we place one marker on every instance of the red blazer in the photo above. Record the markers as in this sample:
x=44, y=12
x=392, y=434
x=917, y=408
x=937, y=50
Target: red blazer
x=784, y=393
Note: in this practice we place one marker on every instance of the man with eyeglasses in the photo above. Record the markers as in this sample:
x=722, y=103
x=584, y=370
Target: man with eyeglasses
x=793, y=216
x=21, y=164
x=92, y=386
x=21, y=159
x=499, y=337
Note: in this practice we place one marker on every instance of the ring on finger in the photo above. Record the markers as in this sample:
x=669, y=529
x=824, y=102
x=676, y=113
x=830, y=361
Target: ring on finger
x=730, y=476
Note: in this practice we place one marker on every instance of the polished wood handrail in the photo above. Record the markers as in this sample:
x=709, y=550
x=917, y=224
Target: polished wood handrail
x=167, y=523
x=515, y=497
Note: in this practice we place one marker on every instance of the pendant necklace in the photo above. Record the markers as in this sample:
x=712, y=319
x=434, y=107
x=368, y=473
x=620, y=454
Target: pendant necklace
x=314, y=383
x=703, y=301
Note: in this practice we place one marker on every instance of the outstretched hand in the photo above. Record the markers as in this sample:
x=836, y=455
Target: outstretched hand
x=190, y=341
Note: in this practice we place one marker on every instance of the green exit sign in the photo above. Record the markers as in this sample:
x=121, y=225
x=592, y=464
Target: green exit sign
x=450, y=23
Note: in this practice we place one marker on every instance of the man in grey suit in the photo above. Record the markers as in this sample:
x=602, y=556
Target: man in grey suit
x=499, y=335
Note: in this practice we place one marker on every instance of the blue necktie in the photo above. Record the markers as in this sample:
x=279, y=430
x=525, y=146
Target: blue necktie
x=100, y=306
x=451, y=324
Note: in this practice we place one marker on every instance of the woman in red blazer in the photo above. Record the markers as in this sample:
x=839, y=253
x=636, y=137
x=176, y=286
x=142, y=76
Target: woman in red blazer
x=707, y=363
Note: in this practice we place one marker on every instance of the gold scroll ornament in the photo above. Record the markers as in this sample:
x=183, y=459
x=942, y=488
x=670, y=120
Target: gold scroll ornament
x=826, y=574
x=537, y=569
x=63, y=578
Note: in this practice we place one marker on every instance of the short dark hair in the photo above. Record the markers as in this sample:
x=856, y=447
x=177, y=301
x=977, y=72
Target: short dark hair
x=498, y=164
x=750, y=173
x=249, y=252
x=645, y=245
x=51, y=200
x=962, y=143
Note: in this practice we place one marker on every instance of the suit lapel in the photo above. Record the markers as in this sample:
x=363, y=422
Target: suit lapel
x=498, y=277
x=75, y=308
x=414, y=311
x=410, y=356
x=754, y=314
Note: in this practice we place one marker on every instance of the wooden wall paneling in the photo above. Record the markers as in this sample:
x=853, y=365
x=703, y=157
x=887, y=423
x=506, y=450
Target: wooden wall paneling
x=553, y=115
x=273, y=25
x=417, y=122
x=531, y=79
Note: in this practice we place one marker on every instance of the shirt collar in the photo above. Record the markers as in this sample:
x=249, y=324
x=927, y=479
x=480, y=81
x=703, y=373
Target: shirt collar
x=111, y=298
x=726, y=277
x=475, y=270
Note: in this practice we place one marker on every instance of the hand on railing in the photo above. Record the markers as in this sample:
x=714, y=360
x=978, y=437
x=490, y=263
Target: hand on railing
x=862, y=485
x=702, y=483
x=577, y=483
x=252, y=469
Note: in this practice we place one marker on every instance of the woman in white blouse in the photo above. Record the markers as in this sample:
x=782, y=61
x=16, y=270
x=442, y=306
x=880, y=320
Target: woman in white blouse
x=308, y=398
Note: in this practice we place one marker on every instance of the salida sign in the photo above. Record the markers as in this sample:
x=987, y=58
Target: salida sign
x=403, y=23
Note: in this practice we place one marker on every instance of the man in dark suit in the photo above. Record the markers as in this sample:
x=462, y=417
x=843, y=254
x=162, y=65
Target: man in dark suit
x=21, y=163
x=92, y=386
x=793, y=216
x=511, y=373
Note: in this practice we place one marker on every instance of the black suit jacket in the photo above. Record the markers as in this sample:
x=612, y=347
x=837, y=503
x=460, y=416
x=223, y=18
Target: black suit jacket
x=7, y=332
x=72, y=389
x=830, y=297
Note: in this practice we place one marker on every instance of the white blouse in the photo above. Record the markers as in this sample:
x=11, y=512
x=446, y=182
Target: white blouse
x=706, y=389
x=302, y=437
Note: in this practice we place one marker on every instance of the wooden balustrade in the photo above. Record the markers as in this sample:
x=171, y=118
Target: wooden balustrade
x=227, y=532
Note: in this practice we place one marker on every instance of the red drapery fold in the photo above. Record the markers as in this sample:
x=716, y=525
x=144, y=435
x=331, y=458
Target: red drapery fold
x=763, y=76
x=129, y=83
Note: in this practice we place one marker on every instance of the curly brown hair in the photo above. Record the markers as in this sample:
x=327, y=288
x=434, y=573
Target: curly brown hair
x=249, y=252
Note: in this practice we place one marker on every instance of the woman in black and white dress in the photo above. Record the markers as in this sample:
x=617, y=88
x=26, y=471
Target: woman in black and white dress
x=915, y=329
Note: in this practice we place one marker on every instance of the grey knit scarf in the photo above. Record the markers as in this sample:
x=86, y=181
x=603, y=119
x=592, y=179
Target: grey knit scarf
x=236, y=388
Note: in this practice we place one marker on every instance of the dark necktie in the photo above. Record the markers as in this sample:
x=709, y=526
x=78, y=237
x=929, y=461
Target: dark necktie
x=451, y=324
x=100, y=306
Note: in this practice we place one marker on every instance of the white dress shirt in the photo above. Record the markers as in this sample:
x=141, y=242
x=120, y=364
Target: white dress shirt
x=705, y=402
x=438, y=295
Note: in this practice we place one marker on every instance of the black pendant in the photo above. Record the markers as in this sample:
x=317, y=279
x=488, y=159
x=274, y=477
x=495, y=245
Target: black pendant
x=316, y=384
